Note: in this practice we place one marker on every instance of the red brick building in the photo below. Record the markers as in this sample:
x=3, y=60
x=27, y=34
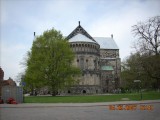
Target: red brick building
x=1, y=74
x=5, y=82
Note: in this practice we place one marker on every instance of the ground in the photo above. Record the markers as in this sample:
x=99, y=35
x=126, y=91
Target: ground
x=80, y=111
x=93, y=98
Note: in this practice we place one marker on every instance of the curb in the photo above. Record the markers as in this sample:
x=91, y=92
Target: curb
x=48, y=105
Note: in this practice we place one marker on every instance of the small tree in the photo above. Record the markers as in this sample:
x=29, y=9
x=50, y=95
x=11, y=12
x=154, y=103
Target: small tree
x=50, y=62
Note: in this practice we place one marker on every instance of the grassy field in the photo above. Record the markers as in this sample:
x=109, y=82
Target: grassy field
x=92, y=98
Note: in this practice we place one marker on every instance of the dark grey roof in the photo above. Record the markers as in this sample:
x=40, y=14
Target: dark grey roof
x=79, y=30
x=106, y=42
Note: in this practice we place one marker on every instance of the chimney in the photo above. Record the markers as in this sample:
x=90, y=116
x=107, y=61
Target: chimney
x=79, y=23
x=34, y=34
x=112, y=36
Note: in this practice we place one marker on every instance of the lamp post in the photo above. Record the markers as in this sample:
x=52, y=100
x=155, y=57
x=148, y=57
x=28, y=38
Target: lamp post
x=113, y=80
x=139, y=81
x=113, y=83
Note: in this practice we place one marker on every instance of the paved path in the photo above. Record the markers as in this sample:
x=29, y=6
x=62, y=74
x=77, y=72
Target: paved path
x=82, y=111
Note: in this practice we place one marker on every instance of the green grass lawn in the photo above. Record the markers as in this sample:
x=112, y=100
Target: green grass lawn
x=92, y=98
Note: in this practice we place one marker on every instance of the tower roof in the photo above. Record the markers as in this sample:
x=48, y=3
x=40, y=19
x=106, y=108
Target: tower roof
x=80, y=38
x=79, y=32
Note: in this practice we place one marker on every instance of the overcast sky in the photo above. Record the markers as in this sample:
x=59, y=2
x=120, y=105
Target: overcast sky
x=100, y=18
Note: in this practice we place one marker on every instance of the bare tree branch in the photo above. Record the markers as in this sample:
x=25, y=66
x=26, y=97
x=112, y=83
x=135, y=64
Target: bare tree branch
x=148, y=33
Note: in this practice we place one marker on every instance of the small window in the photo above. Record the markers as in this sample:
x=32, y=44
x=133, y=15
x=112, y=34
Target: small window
x=69, y=91
x=86, y=60
x=96, y=91
x=77, y=60
x=84, y=91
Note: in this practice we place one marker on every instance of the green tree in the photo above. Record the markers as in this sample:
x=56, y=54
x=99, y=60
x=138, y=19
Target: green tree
x=50, y=62
x=151, y=66
x=132, y=69
x=148, y=47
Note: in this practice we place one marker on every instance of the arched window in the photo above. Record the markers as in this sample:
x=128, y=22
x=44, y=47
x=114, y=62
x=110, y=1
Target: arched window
x=69, y=91
x=82, y=63
x=84, y=91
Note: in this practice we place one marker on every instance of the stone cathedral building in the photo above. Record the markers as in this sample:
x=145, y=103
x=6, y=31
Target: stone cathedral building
x=98, y=58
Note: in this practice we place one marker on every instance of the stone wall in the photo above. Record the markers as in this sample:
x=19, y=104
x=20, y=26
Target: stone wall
x=88, y=60
x=110, y=57
x=84, y=89
x=109, y=53
x=108, y=84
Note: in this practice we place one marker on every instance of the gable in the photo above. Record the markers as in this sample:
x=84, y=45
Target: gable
x=79, y=30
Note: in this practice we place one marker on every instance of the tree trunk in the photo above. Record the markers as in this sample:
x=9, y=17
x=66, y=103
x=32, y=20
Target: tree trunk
x=54, y=91
x=31, y=94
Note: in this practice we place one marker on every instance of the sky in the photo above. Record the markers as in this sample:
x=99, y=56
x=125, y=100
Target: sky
x=19, y=19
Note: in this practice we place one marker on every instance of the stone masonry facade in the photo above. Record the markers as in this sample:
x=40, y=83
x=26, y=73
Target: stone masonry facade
x=100, y=65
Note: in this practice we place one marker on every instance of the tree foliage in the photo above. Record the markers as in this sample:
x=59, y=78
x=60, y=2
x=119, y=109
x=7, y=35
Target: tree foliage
x=145, y=63
x=148, y=46
x=50, y=62
x=132, y=69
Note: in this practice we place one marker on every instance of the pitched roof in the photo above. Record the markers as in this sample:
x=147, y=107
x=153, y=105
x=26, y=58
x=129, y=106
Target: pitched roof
x=106, y=43
x=79, y=34
x=79, y=30
x=80, y=38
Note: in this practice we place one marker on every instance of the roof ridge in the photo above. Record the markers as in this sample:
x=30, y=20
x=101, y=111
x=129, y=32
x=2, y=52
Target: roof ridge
x=80, y=37
x=80, y=29
x=102, y=37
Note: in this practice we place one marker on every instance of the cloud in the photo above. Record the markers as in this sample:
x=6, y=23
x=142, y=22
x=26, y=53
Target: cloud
x=12, y=55
x=19, y=19
x=121, y=21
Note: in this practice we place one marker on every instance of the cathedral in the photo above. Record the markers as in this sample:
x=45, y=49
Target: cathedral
x=98, y=58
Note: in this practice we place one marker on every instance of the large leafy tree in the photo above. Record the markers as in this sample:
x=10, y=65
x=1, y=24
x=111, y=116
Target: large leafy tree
x=147, y=50
x=132, y=69
x=50, y=62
